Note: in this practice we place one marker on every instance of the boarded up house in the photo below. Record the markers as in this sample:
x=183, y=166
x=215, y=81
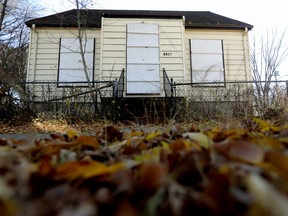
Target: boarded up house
x=141, y=50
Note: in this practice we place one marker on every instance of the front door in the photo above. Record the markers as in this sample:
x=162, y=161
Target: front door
x=143, y=64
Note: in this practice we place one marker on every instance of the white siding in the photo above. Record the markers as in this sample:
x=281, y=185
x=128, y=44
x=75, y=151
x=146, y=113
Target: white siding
x=235, y=48
x=43, y=58
x=110, y=50
x=170, y=51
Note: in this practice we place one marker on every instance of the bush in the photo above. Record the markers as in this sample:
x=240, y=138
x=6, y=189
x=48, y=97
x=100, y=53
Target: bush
x=12, y=109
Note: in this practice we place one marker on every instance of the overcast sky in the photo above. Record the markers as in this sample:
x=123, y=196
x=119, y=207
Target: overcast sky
x=263, y=15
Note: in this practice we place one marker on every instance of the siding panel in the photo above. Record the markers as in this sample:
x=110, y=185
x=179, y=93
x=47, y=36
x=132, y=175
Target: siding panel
x=236, y=54
x=170, y=50
x=47, y=53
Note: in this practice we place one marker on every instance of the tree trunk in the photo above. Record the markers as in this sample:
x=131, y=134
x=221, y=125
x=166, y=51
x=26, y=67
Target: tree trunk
x=4, y=5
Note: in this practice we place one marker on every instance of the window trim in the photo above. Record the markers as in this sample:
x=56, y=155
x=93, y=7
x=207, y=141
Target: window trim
x=76, y=83
x=208, y=84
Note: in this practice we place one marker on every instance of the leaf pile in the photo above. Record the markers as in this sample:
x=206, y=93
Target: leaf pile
x=170, y=171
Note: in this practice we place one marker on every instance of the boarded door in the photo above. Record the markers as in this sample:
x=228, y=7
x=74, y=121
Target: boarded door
x=143, y=75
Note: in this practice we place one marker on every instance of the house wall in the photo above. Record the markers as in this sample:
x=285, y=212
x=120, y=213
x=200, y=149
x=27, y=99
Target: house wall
x=171, y=42
x=236, y=64
x=110, y=48
x=235, y=48
x=44, y=52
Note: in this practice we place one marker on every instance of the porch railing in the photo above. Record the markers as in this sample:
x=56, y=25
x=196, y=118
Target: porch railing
x=49, y=97
x=168, y=84
x=118, y=87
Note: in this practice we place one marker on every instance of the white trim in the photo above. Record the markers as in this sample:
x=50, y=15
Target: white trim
x=70, y=67
x=184, y=48
x=207, y=61
x=34, y=54
x=101, y=49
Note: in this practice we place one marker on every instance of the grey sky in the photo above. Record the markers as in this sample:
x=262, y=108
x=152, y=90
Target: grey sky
x=263, y=15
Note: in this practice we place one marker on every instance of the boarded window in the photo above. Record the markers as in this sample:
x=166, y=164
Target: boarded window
x=71, y=66
x=143, y=73
x=207, y=62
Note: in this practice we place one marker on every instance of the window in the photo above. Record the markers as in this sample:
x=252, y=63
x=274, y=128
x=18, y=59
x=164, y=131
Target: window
x=71, y=68
x=207, y=62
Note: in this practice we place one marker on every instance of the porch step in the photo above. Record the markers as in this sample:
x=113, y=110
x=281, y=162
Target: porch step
x=142, y=110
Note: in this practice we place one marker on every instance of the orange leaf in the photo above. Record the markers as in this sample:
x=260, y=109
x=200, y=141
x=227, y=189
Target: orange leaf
x=88, y=141
x=45, y=166
x=278, y=160
x=86, y=169
x=51, y=149
x=151, y=175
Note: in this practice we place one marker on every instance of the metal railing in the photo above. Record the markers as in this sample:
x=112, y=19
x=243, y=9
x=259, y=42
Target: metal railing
x=167, y=84
x=50, y=98
x=119, y=85
x=234, y=97
x=54, y=99
x=56, y=91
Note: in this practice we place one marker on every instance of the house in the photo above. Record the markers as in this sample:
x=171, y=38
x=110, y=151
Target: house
x=141, y=50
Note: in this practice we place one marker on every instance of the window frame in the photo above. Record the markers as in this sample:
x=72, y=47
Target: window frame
x=75, y=53
x=220, y=83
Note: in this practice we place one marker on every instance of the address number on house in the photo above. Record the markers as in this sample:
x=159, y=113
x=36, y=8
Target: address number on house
x=167, y=54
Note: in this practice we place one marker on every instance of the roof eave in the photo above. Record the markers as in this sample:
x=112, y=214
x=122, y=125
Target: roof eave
x=224, y=27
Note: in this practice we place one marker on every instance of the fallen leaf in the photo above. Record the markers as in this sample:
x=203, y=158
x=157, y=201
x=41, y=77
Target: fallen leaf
x=85, y=169
x=152, y=135
x=202, y=139
x=111, y=134
x=71, y=134
x=271, y=201
x=151, y=175
x=241, y=150
x=278, y=160
x=88, y=141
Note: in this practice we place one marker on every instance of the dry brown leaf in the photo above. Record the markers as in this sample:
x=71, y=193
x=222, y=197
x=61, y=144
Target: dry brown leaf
x=111, y=134
x=85, y=169
x=241, y=150
x=151, y=175
x=45, y=166
x=88, y=141
x=278, y=160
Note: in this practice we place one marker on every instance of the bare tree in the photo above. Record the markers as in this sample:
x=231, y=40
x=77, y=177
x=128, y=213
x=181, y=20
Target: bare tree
x=82, y=4
x=81, y=25
x=3, y=7
x=14, y=40
x=265, y=63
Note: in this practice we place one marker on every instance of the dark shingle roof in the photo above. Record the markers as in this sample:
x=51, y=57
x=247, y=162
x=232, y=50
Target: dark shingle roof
x=193, y=19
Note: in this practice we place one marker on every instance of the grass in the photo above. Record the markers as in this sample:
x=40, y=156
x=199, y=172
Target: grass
x=53, y=126
x=90, y=127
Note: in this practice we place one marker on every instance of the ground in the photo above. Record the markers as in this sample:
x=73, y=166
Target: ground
x=102, y=168
x=54, y=126
x=62, y=126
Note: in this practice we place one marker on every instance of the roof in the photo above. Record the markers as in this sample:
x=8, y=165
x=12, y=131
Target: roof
x=193, y=19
